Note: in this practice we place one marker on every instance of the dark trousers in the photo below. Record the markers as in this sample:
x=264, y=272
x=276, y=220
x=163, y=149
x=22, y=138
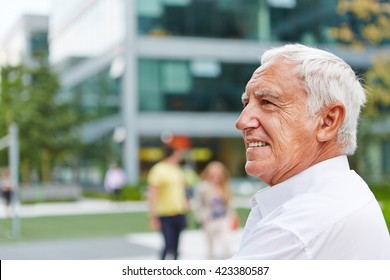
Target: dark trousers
x=7, y=195
x=171, y=227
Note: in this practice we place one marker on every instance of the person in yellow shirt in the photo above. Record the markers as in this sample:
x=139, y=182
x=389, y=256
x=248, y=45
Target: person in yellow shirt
x=168, y=202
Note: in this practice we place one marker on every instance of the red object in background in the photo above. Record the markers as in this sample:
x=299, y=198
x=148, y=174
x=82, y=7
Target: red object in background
x=235, y=222
x=180, y=142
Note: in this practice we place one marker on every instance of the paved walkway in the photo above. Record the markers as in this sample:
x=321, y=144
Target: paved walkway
x=83, y=206
x=142, y=246
x=91, y=206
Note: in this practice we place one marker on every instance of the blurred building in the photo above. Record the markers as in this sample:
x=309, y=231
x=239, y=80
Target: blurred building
x=27, y=38
x=140, y=71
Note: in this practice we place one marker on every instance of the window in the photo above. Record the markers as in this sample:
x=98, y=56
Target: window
x=196, y=86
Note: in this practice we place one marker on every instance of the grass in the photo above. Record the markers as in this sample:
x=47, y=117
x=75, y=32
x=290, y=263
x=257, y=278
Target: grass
x=386, y=211
x=84, y=226
x=382, y=194
x=77, y=226
x=385, y=205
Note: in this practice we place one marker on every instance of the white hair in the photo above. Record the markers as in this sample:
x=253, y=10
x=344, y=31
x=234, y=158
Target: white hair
x=326, y=79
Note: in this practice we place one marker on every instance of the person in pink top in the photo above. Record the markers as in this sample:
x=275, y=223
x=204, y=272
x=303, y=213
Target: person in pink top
x=114, y=180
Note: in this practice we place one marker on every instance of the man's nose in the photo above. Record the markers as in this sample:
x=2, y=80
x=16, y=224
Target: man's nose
x=246, y=119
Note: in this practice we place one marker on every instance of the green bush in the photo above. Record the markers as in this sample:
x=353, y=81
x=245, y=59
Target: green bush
x=382, y=194
x=381, y=190
x=129, y=192
x=132, y=192
x=96, y=195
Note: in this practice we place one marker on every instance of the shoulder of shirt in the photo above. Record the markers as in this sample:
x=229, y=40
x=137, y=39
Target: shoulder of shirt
x=308, y=215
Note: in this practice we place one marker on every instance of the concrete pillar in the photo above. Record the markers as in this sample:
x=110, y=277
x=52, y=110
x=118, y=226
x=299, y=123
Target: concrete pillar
x=130, y=94
x=264, y=21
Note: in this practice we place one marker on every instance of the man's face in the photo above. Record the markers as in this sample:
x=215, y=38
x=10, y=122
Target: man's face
x=279, y=136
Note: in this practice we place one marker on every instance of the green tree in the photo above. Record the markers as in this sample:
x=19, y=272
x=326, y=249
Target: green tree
x=363, y=22
x=378, y=83
x=28, y=97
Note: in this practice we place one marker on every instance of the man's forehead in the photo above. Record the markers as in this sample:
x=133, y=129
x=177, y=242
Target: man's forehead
x=257, y=73
x=253, y=83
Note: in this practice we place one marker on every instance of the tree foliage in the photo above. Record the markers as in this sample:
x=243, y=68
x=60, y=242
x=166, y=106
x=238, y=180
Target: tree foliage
x=46, y=127
x=363, y=22
x=378, y=84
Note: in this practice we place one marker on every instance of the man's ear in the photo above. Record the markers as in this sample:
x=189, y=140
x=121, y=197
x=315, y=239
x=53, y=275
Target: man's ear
x=331, y=118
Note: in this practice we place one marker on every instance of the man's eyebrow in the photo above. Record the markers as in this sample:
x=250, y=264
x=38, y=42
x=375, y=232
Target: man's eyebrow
x=267, y=94
x=244, y=96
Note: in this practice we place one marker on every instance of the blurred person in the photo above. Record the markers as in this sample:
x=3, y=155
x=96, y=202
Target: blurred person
x=6, y=186
x=114, y=180
x=167, y=199
x=213, y=207
x=299, y=124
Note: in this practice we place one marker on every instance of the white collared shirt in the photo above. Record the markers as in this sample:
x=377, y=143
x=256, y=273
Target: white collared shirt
x=325, y=212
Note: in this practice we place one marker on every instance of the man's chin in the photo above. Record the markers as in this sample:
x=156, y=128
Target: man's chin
x=253, y=169
x=260, y=169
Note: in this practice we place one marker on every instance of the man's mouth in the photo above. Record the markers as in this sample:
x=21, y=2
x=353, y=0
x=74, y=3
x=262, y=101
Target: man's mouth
x=257, y=144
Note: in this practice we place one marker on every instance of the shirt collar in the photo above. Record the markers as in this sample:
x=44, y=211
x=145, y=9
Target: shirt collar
x=271, y=198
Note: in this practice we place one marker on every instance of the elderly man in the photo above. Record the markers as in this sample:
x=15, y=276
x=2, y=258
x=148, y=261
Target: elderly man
x=299, y=123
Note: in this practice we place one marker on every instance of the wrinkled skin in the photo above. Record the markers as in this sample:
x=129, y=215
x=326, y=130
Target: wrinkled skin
x=281, y=139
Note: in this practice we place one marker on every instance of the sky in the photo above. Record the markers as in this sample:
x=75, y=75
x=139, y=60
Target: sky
x=11, y=10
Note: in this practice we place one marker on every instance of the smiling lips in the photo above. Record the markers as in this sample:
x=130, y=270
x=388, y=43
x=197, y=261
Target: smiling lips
x=257, y=144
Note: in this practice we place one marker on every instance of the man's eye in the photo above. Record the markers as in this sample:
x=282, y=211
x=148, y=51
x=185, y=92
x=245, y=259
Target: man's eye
x=265, y=102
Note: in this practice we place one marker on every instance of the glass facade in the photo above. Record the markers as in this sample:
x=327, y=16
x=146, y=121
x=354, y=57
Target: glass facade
x=262, y=20
x=39, y=45
x=216, y=19
x=96, y=97
x=196, y=86
x=307, y=21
